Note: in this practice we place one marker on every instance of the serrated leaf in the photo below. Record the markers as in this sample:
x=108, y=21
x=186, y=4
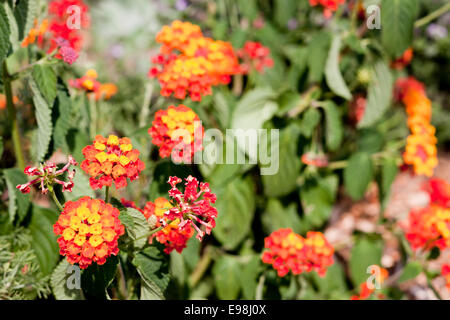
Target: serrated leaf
x=44, y=121
x=18, y=202
x=136, y=225
x=411, y=270
x=334, y=132
x=45, y=78
x=333, y=75
x=152, y=266
x=96, y=279
x=4, y=34
x=358, y=174
x=14, y=30
x=365, y=252
x=379, y=95
x=227, y=276
x=397, y=21
x=25, y=12
x=59, y=283
x=44, y=240
x=235, y=202
x=284, y=180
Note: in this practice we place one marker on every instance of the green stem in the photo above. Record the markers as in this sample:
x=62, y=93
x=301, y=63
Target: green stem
x=201, y=268
x=58, y=204
x=151, y=232
x=433, y=15
x=12, y=117
x=122, y=282
x=107, y=194
x=31, y=65
x=431, y=286
x=93, y=112
x=145, y=110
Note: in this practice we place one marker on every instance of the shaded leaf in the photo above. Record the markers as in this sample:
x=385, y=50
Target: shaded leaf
x=358, y=174
x=59, y=281
x=333, y=74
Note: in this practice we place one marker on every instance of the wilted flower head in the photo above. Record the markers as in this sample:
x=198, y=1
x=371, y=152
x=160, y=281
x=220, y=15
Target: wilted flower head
x=288, y=251
x=111, y=159
x=47, y=175
x=192, y=207
x=88, y=230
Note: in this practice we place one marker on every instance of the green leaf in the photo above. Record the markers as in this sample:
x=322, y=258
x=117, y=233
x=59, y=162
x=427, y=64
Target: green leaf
x=4, y=35
x=136, y=225
x=96, y=279
x=379, y=94
x=45, y=78
x=276, y=216
x=44, y=120
x=333, y=75
x=317, y=198
x=249, y=276
x=310, y=120
x=62, y=112
x=334, y=129
x=13, y=28
x=317, y=56
x=81, y=187
x=1, y=147
x=235, y=202
x=284, y=10
x=59, y=282
x=227, y=276
x=153, y=267
x=365, y=252
x=18, y=202
x=77, y=140
x=333, y=283
x=389, y=170
x=411, y=270
x=358, y=174
x=284, y=181
x=44, y=240
x=25, y=12
x=397, y=20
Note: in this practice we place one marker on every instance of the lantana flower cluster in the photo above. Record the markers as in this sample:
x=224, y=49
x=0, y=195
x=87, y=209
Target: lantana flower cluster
x=364, y=291
x=88, y=230
x=177, y=127
x=328, y=6
x=254, y=56
x=421, y=151
x=404, y=60
x=89, y=84
x=111, y=160
x=47, y=175
x=445, y=271
x=171, y=235
x=189, y=63
x=430, y=226
x=288, y=251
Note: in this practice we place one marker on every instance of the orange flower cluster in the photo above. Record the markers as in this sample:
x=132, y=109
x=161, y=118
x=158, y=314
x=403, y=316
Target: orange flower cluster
x=177, y=128
x=88, y=230
x=328, y=6
x=421, y=151
x=189, y=63
x=404, y=60
x=429, y=227
x=36, y=33
x=289, y=251
x=91, y=85
x=172, y=236
x=365, y=292
x=111, y=160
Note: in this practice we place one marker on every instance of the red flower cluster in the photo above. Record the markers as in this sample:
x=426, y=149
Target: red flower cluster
x=365, y=292
x=328, y=6
x=315, y=160
x=172, y=236
x=404, y=60
x=421, y=151
x=446, y=274
x=91, y=85
x=111, y=160
x=429, y=227
x=357, y=109
x=254, y=56
x=47, y=175
x=89, y=230
x=177, y=128
x=289, y=251
x=191, y=207
x=189, y=63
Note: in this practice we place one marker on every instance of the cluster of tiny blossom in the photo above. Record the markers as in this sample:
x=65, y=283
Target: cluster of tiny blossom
x=288, y=251
x=110, y=160
x=328, y=6
x=36, y=34
x=47, y=175
x=189, y=63
x=254, y=56
x=89, y=84
x=421, y=151
x=88, y=230
x=177, y=128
